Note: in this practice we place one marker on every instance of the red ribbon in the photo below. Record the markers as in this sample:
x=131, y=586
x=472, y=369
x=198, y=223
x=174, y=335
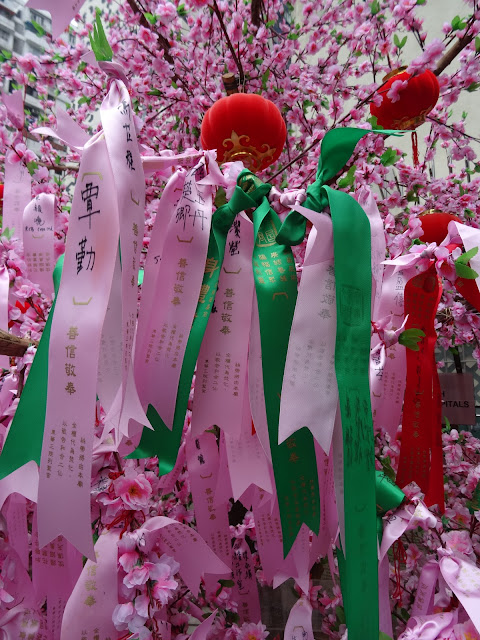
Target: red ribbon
x=421, y=450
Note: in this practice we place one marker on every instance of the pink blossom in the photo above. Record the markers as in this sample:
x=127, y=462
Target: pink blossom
x=394, y=93
x=458, y=541
x=135, y=490
x=21, y=154
x=252, y=631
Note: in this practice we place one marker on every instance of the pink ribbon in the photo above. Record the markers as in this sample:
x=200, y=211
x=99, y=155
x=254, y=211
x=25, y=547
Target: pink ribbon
x=255, y=382
x=64, y=489
x=309, y=387
x=388, y=371
x=404, y=519
x=23, y=481
x=177, y=290
x=17, y=181
x=55, y=571
x=463, y=578
x=427, y=627
x=201, y=632
x=212, y=519
x=299, y=623
x=121, y=138
x=245, y=590
x=247, y=463
x=38, y=241
x=16, y=516
x=222, y=361
x=186, y=546
x=89, y=609
x=4, y=291
x=66, y=130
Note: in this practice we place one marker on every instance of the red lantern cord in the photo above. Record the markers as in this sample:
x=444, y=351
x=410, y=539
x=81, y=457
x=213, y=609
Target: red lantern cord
x=399, y=557
x=416, y=161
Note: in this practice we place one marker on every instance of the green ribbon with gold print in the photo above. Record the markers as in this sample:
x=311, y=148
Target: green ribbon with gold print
x=294, y=462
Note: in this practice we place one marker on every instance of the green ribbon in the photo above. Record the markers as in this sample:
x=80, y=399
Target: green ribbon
x=389, y=496
x=24, y=440
x=161, y=441
x=294, y=462
x=353, y=276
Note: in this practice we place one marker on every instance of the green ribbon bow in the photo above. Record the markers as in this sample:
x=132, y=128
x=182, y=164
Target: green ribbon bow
x=24, y=440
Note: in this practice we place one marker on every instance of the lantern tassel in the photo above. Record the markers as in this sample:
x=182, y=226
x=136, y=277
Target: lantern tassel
x=416, y=161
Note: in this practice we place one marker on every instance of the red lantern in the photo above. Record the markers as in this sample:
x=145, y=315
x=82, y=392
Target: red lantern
x=417, y=99
x=435, y=225
x=246, y=127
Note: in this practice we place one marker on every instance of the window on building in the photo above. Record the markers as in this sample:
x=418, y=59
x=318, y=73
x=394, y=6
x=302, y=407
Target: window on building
x=4, y=35
x=37, y=51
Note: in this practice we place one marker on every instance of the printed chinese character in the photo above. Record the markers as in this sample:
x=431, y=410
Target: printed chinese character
x=70, y=388
x=72, y=333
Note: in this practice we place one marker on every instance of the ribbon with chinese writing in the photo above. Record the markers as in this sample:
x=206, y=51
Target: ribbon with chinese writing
x=421, y=450
x=353, y=276
x=81, y=304
x=124, y=155
x=161, y=441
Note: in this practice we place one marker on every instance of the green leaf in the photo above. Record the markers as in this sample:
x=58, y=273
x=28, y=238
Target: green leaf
x=181, y=11
x=38, y=28
x=84, y=100
x=306, y=104
x=293, y=36
x=32, y=166
x=477, y=44
x=99, y=42
x=375, y=7
x=467, y=256
x=473, y=87
x=340, y=613
x=270, y=23
x=387, y=468
x=265, y=77
x=226, y=583
x=465, y=272
x=445, y=521
x=399, y=43
x=349, y=179
x=82, y=66
x=384, y=636
x=6, y=54
x=249, y=40
x=458, y=24
x=410, y=338
x=151, y=18
x=154, y=92
x=389, y=157
x=474, y=504
x=373, y=121
x=8, y=233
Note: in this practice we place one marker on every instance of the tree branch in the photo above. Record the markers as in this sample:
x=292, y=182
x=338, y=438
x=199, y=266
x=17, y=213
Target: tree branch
x=236, y=59
x=453, y=52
